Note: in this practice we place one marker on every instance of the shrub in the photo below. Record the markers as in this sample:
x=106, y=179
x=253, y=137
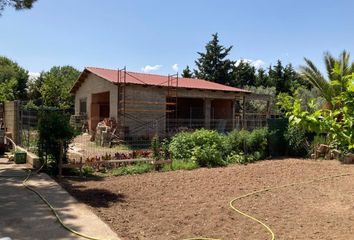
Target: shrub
x=203, y=146
x=88, y=170
x=208, y=156
x=181, y=146
x=54, y=129
x=236, y=157
x=257, y=141
x=208, y=148
x=233, y=142
x=247, y=142
x=297, y=142
x=241, y=158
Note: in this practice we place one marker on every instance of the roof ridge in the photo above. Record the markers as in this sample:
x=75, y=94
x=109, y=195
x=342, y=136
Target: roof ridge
x=165, y=76
x=151, y=74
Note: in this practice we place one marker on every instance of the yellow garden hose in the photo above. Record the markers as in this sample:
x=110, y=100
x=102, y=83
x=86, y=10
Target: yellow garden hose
x=271, y=232
x=24, y=182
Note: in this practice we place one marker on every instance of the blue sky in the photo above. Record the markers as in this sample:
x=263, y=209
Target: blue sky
x=112, y=34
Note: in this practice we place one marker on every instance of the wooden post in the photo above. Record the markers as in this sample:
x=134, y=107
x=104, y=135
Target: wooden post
x=60, y=164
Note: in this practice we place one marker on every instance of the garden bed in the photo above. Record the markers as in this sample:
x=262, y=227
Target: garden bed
x=182, y=204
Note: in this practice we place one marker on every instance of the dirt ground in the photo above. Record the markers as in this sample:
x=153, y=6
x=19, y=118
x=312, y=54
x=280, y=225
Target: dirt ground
x=185, y=204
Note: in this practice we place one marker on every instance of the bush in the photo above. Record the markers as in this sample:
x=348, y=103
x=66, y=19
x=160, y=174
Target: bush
x=181, y=146
x=88, y=170
x=257, y=142
x=234, y=142
x=208, y=156
x=203, y=146
x=247, y=142
x=54, y=129
x=209, y=148
x=298, y=145
x=236, y=157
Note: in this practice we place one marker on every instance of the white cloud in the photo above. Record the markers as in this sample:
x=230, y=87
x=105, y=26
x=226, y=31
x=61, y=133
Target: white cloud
x=149, y=68
x=255, y=63
x=175, y=67
x=258, y=63
x=32, y=76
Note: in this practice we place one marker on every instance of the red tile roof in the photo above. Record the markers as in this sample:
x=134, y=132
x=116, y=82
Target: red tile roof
x=156, y=80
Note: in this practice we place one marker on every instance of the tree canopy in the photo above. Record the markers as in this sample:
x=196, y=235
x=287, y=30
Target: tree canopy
x=243, y=74
x=17, y=4
x=187, y=73
x=13, y=80
x=55, y=86
x=213, y=64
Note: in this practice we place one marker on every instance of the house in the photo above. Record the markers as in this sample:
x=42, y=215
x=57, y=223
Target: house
x=146, y=104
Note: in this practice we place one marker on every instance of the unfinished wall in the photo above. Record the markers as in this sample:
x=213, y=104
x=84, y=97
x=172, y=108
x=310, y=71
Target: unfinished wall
x=92, y=85
x=145, y=109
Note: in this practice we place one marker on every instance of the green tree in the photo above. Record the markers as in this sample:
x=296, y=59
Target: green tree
x=244, y=74
x=13, y=80
x=336, y=82
x=187, y=73
x=34, y=86
x=17, y=4
x=284, y=78
x=261, y=78
x=213, y=65
x=56, y=85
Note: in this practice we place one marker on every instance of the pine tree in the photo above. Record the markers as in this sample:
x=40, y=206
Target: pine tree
x=261, y=78
x=187, y=73
x=213, y=64
x=244, y=74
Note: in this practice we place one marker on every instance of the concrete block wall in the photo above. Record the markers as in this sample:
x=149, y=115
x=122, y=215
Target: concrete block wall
x=147, y=106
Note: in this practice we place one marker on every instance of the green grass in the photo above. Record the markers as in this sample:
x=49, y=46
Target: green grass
x=180, y=165
x=132, y=169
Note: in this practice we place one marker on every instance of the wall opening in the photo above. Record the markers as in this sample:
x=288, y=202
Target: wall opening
x=221, y=114
x=99, y=108
x=189, y=114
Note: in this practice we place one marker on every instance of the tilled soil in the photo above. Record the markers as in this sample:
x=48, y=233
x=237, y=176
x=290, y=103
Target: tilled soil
x=185, y=204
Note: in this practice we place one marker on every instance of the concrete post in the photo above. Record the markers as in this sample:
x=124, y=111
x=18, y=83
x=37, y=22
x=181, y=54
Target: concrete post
x=12, y=120
x=233, y=114
x=244, y=112
x=207, y=112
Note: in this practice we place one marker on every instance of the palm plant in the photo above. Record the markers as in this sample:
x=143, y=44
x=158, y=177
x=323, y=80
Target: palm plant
x=337, y=71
